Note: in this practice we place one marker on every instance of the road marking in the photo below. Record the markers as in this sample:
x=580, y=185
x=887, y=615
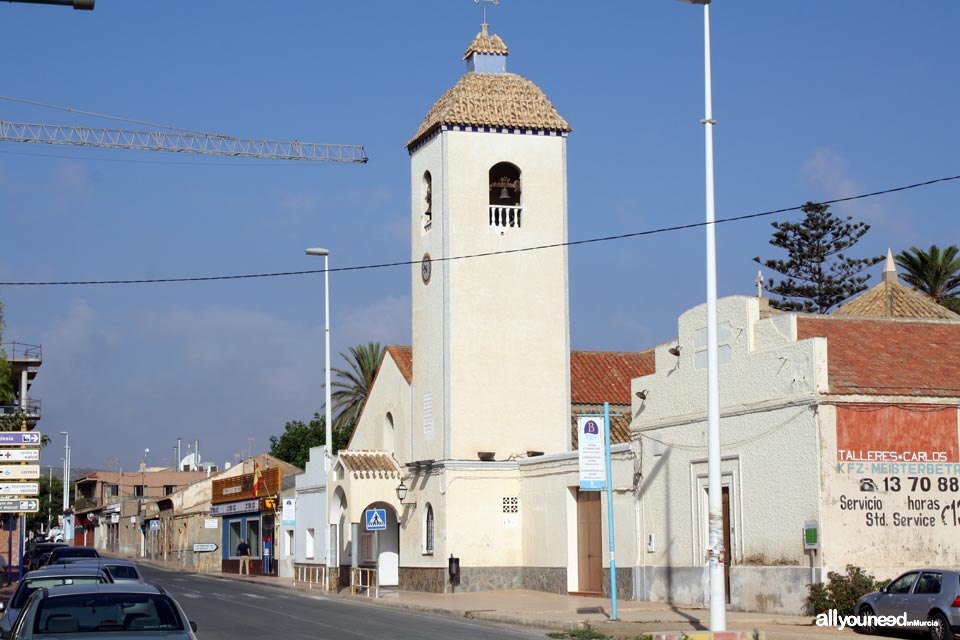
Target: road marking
x=254, y=595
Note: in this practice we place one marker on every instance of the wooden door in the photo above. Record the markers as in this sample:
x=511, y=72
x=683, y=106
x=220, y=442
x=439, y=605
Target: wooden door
x=589, y=543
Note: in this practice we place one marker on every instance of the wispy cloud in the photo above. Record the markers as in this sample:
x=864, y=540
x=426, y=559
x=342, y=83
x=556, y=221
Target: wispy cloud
x=827, y=172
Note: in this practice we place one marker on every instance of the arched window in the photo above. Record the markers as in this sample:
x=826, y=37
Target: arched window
x=426, y=205
x=428, y=530
x=505, y=206
x=388, y=432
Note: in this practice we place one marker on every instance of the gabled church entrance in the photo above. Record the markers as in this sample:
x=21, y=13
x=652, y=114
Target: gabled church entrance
x=589, y=542
x=380, y=549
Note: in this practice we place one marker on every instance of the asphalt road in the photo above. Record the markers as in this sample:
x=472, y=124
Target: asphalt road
x=228, y=610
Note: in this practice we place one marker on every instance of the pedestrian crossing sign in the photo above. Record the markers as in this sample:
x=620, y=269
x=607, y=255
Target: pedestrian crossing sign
x=376, y=519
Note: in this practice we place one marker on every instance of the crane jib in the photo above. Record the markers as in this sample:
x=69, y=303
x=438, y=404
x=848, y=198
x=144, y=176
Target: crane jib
x=180, y=142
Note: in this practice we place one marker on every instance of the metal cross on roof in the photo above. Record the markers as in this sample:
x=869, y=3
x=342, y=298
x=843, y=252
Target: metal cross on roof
x=483, y=3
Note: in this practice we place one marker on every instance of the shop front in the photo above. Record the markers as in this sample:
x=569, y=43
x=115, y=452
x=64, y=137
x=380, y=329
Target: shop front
x=247, y=514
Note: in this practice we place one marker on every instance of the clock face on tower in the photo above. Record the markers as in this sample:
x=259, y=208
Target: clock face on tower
x=426, y=268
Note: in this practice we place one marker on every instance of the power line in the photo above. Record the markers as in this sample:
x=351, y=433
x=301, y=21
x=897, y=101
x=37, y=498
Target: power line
x=384, y=265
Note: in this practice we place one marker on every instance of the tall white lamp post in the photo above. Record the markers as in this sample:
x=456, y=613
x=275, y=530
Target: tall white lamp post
x=327, y=402
x=67, y=530
x=718, y=613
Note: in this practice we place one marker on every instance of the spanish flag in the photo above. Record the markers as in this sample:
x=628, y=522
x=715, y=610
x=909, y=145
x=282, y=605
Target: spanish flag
x=257, y=479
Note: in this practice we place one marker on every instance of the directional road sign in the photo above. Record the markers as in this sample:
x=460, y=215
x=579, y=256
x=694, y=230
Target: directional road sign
x=19, y=506
x=19, y=455
x=20, y=438
x=204, y=547
x=376, y=519
x=19, y=471
x=19, y=488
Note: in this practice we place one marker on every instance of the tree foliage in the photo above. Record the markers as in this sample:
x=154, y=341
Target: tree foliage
x=7, y=394
x=51, y=504
x=934, y=273
x=294, y=444
x=352, y=386
x=816, y=274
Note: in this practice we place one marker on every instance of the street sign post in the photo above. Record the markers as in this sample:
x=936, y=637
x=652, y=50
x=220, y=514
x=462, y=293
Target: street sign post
x=20, y=471
x=19, y=455
x=19, y=506
x=19, y=488
x=376, y=519
x=21, y=438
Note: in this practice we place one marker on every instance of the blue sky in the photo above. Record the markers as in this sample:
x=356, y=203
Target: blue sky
x=814, y=100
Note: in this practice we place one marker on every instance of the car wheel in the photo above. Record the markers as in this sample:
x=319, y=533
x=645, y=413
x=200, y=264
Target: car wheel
x=867, y=628
x=940, y=627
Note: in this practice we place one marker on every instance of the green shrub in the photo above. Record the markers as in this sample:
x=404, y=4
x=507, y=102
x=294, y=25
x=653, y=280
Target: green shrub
x=841, y=591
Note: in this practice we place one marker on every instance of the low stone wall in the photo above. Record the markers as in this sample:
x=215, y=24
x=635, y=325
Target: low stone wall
x=435, y=580
x=752, y=588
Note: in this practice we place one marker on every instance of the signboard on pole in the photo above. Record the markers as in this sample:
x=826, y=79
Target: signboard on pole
x=289, y=511
x=19, y=488
x=19, y=455
x=18, y=471
x=591, y=442
x=376, y=519
x=21, y=438
x=19, y=506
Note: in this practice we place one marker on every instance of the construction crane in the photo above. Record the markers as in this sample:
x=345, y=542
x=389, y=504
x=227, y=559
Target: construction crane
x=179, y=142
x=176, y=142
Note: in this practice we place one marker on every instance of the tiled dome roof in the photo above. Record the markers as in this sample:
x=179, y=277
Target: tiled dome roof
x=493, y=100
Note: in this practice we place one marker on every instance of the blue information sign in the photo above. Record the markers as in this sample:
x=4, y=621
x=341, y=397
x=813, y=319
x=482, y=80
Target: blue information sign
x=376, y=519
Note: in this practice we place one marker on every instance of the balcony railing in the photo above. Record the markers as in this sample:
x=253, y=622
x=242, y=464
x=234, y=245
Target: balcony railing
x=32, y=408
x=505, y=217
x=22, y=351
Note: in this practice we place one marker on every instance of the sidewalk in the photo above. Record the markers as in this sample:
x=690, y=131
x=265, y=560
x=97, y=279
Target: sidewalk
x=559, y=613
x=567, y=613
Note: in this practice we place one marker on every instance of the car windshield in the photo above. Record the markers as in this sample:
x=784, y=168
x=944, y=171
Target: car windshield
x=122, y=571
x=29, y=585
x=97, y=612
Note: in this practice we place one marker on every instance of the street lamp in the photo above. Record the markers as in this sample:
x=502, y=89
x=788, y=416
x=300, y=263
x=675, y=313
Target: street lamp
x=715, y=505
x=329, y=427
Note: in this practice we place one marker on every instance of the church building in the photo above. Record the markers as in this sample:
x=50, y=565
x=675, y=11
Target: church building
x=465, y=448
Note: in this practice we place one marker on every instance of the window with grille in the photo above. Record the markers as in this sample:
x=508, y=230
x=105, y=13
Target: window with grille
x=511, y=505
x=428, y=535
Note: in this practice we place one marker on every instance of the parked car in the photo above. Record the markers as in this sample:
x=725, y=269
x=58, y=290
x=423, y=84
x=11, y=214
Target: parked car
x=123, y=611
x=31, y=559
x=48, y=577
x=120, y=570
x=72, y=552
x=926, y=596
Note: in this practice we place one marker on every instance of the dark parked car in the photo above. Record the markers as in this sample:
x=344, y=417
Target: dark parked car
x=46, y=577
x=118, y=611
x=31, y=559
x=72, y=552
x=922, y=599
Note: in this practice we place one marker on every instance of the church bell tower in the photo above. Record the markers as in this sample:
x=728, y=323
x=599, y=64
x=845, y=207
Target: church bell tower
x=491, y=346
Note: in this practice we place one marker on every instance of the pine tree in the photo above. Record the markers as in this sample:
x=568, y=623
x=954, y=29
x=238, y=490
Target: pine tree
x=816, y=274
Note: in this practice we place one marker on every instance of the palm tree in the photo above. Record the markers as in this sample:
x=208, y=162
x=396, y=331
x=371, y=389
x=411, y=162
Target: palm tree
x=934, y=273
x=349, y=391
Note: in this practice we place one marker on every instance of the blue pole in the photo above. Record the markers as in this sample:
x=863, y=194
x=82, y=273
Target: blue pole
x=613, y=561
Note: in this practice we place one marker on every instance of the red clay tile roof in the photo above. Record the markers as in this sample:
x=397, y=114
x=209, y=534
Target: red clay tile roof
x=403, y=356
x=370, y=464
x=894, y=300
x=604, y=376
x=486, y=43
x=619, y=426
x=888, y=357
